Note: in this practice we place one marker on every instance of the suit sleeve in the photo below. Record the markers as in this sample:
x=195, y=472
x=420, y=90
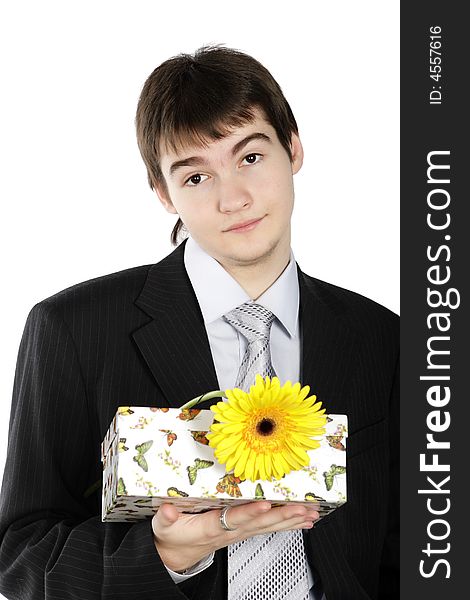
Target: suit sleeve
x=389, y=583
x=53, y=544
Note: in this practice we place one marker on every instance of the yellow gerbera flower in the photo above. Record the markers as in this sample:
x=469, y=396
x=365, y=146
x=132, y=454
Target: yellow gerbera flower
x=266, y=433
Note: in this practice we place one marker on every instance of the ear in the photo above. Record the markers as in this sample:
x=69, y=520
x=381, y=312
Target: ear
x=297, y=153
x=164, y=197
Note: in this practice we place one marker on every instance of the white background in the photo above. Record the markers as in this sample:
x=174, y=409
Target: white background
x=74, y=197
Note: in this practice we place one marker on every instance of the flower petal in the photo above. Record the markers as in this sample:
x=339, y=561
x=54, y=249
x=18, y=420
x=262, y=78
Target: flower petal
x=239, y=443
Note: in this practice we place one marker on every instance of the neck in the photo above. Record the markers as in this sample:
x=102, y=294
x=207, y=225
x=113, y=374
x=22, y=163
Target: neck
x=257, y=278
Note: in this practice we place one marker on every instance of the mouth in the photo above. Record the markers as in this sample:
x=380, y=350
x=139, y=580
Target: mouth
x=244, y=226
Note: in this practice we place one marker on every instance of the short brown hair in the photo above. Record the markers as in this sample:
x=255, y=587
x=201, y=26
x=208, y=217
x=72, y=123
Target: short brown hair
x=200, y=97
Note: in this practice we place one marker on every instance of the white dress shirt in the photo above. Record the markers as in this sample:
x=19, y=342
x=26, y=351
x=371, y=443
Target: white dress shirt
x=218, y=293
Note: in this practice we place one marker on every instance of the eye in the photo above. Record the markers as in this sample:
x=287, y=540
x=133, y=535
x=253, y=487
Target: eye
x=195, y=179
x=252, y=158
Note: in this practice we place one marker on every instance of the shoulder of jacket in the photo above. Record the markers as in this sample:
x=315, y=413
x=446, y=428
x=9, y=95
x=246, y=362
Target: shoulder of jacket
x=114, y=287
x=351, y=306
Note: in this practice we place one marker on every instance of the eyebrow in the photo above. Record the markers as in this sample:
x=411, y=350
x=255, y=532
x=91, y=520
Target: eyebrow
x=190, y=161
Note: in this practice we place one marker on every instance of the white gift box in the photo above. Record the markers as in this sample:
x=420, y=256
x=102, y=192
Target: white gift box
x=153, y=455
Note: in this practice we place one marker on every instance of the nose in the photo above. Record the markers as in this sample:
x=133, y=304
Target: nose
x=233, y=195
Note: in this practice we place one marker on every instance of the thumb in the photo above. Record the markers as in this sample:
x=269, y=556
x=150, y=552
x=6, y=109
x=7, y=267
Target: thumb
x=166, y=515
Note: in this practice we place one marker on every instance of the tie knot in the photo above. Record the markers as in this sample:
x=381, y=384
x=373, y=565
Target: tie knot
x=252, y=320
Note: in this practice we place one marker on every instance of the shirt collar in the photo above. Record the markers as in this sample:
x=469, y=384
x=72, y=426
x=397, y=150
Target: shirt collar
x=218, y=292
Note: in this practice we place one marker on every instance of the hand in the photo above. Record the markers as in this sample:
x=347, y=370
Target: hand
x=184, y=539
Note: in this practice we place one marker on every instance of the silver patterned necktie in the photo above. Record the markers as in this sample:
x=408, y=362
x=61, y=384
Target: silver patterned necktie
x=268, y=566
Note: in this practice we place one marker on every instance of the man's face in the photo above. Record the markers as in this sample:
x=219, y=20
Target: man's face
x=235, y=195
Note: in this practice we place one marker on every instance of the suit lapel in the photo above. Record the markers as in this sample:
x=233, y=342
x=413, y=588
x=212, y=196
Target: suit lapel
x=174, y=343
x=328, y=346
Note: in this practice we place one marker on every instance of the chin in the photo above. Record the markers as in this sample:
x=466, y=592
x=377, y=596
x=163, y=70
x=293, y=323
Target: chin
x=250, y=255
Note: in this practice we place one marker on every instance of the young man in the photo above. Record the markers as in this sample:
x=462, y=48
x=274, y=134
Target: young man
x=221, y=147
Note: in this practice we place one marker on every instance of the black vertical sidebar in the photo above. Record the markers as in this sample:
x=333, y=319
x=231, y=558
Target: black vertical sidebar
x=435, y=273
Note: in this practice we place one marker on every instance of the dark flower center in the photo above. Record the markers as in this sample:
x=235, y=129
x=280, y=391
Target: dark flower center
x=265, y=427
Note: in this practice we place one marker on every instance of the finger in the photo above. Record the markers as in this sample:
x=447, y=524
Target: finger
x=245, y=513
x=290, y=511
x=300, y=522
x=287, y=514
x=256, y=518
x=239, y=518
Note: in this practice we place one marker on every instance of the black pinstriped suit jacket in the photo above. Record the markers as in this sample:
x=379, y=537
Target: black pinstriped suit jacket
x=137, y=337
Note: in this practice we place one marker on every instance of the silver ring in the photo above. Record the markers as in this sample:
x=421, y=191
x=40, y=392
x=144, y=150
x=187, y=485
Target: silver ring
x=222, y=520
